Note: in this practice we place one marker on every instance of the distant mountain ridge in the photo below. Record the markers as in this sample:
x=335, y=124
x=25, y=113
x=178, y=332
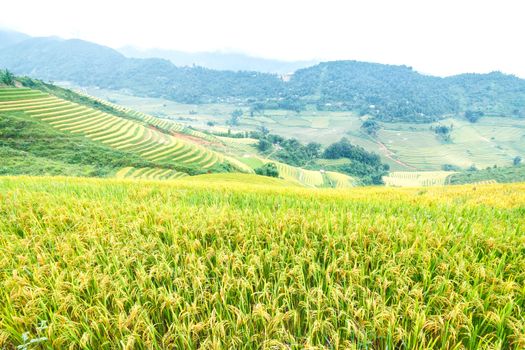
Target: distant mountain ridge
x=8, y=37
x=387, y=92
x=219, y=60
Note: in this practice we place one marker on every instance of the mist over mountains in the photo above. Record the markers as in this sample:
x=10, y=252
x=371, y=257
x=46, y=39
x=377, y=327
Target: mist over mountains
x=387, y=92
x=219, y=60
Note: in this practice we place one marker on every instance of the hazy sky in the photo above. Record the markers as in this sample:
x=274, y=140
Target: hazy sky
x=436, y=36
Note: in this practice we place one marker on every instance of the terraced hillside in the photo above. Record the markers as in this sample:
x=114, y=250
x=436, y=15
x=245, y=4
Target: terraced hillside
x=161, y=142
x=417, y=178
x=314, y=178
x=123, y=134
x=163, y=124
x=304, y=177
x=149, y=173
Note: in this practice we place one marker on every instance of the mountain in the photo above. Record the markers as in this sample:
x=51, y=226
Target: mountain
x=400, y=93
x=86, y=63
x=387, y=92
x=53, y=58
x=8, y=37
x=219, y=60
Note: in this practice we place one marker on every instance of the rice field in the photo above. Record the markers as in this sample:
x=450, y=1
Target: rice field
x=149, y=173
x=307, y=177
x=143, y=138
x=492, y=140
x=212, y=262
x=485, y=182
x=338, y=180
x=417, y=178
x=162, y=123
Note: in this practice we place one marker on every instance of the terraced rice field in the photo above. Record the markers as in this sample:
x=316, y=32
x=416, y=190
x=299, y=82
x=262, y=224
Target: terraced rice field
x=303, y=177
x=164, y=124
x=485, y=182
x=149, y=173
x=490, y=141
x=309, y=178
x=120, y=133
x=417, y=178
x=13, y=94
x=339, y=180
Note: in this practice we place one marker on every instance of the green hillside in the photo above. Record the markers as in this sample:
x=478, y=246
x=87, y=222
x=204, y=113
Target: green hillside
x=47, y=130
x=489, y=175
x=29, y=114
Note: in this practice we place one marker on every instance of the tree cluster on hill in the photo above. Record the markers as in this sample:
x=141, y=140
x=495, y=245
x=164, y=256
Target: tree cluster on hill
x=371, y=127
x=366, y=166
x=508, y=174
x=268, y=169
x=363, y=164
x=289, y=151
x=443, y=131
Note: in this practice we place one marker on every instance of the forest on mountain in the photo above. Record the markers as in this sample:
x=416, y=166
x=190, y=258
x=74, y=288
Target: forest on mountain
x=387, y=92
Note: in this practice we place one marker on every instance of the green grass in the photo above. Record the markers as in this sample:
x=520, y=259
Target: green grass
x=501, y=175
x=252, y=161
x=211, y=262
x=18, y=162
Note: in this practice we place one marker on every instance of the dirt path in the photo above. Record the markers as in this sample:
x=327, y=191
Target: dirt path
x=389, y=154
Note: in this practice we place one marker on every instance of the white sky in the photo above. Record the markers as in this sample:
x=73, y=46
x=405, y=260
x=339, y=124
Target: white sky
x=440, y=37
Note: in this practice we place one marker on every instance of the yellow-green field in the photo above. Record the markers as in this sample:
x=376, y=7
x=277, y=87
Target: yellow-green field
x=247, y=262
x=149, y=173
x=417, y=178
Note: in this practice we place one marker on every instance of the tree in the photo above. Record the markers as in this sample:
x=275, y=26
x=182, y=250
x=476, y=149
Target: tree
x=516, y=161
x=450, y=167
x=443, y=131
x=264, y=130
x=264, y=145
x=371, y=127
x=235, y=116
x=256, y=108
x=473, y=116
x=345, y=149
x=268, y=169
x=313, y=149
x=7, y=78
